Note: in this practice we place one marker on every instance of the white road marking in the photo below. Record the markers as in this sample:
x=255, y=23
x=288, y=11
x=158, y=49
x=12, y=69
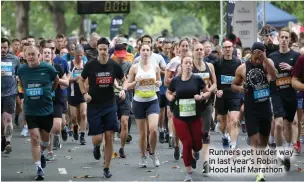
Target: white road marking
x=62, y=171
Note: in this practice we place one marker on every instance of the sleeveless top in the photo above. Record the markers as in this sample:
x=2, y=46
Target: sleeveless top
x=73, y=88
x=145, y=90
x=206, y=76
x=256, y=100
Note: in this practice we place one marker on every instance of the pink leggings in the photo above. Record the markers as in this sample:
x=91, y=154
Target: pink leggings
x=191, y=134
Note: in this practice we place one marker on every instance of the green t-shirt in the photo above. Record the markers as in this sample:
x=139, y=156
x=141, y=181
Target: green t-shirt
x=37, y=84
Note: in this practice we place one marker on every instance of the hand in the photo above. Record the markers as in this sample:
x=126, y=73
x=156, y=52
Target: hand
x=171, y=98
x=206, y=95
x=242, y=89
x=285, y=66
x=198, y=97
x=122, y=94
x=219, y=93
x=2, y=72
x=63, y=87
x=87, y=97
x=158, y=83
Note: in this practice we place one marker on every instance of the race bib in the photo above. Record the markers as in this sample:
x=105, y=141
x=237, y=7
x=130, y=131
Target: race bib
x=147, y=82
x=32, y=92
x=7, y=68
x=104, y=80
x=261, y=93
x=76, y=73
x=187, y=107
x=204, y=76
x=226, y=79
x=283, y=81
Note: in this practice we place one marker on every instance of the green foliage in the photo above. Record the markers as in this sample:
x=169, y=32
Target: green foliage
x=188, y=17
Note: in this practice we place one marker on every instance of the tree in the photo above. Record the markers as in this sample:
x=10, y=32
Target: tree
x=22, y=18
x=57, y=9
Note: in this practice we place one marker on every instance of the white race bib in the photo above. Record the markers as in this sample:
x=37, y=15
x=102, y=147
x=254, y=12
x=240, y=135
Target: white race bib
x=7, y=68
x=187, y=107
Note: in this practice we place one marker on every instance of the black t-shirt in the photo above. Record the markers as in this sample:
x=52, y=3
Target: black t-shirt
x=225, y=73
x=283, y=82
x=101, y=78
x=271, y=48
x=59, y=97
x=186, y=90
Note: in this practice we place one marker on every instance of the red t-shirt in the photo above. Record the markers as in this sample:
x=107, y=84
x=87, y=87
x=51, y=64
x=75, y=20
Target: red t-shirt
x=298, y=69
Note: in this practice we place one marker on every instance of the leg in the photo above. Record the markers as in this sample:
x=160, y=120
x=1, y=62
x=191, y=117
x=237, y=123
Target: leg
x=234, y=127
x=83, y=121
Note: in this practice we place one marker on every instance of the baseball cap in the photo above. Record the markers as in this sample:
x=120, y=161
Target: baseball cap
x=123, y=40
x=258, y=46
x=120, y=51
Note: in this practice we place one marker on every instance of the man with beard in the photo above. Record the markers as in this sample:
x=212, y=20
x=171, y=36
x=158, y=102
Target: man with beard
x=267, y=33
x=258, y=113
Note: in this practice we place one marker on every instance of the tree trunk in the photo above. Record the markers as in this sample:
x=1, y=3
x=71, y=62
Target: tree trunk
x=22, y=18
x=81, y=28
x=56, y=8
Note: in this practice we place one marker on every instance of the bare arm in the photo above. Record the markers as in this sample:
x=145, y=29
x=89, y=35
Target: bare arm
x=169, y=95
x=238, y=79
x=82, y=87
x=297, y=84
x=213, y=87
x=270, y=69
x=130, y=83
x=63, y=81
x=168, y=78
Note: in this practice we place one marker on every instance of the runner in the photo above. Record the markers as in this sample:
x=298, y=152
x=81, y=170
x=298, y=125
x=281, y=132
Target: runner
x=9, y=65
x=58, y=103
x=258, y=115
x=227, y=103
x=77, y=104
x=206, y=72
x=284, y=97
x=186, y=105
x=101, y=112
x=38, y=79
x=297, y=83
x=171, y=71
x=123, y=105
x=163, y=102
x=144, y=77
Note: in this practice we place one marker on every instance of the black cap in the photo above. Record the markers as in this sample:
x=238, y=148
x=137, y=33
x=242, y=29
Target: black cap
x=120, y=47
x=103, y=40
x=258, y=46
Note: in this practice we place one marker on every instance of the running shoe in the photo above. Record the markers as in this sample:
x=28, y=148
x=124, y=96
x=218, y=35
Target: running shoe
x=8, y=147
x=50, y=156
x=161, y=137
x=40, y=174
x=144, y=162
x=176, y=153
x=260, y=177
x=155, y=160
x=96, y=152
x=122, y=153
x=188, y=177
x=106, y=173
x=206, y=168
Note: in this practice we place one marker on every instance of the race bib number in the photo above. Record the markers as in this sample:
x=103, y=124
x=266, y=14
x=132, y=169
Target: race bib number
x=226, y=79
x=147, y=82
x=262, y=93
x=7, y=68
x=104, y=80
x=76, y=73
x=187, y=107
x=32, y=92
x=204, y=76
x=283, y=81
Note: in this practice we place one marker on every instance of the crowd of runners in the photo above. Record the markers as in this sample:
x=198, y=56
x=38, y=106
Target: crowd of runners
x=177, y=91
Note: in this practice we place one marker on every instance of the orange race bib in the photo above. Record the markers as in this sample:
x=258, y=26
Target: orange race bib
x=283, y=81
x=146, y=82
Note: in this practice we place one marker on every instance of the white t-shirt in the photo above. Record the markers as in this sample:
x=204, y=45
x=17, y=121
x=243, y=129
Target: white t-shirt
x=154, y=59
x=174, y=65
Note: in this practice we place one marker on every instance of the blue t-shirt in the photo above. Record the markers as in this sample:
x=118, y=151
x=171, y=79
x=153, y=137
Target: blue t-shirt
x=37, y=84
x=65, y=66
x=163, y=89
x=69, y=57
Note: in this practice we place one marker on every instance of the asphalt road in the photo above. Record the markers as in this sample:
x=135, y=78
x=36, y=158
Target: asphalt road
x=74, y=162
